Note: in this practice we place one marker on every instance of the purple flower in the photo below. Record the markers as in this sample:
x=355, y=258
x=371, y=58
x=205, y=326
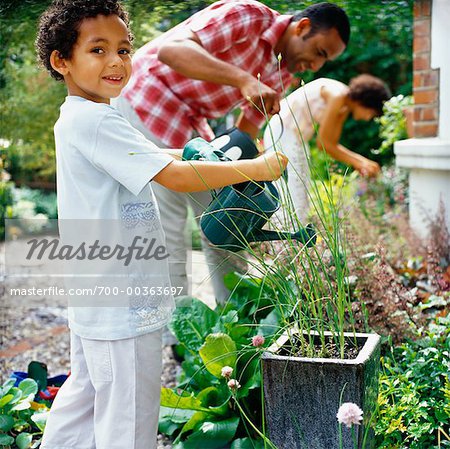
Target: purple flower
x=349, y=414
x=258, y=341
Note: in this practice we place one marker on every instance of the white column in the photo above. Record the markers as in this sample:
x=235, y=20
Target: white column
x=429, y=179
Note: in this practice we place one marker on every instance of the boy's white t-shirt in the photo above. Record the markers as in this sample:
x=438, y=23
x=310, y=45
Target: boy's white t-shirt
x=98, y=179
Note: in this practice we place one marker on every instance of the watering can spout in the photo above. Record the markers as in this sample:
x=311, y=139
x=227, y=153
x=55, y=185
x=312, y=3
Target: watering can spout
x=307, y=236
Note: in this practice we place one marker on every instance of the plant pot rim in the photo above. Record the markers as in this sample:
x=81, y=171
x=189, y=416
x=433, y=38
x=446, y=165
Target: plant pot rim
x=371, y=342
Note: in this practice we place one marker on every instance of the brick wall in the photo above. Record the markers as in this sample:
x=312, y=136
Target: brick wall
x=426, y=80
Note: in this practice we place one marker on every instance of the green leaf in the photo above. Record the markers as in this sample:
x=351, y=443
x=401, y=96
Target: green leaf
x=23, y=440
x=167, y=427
x=194, y=373
x=21, y=424
x=6, y=423
x=219, y=350
x=209, y=397
x=6, y=399
x=171, y=419
x=230, y=317
x=241, y=332
x=9, y=383
x=17, y=395
x=250, y=373
x=22, y=405
x=271, y=324
x=239, y=281
x=172, y=400
x=40, y=419
x=247, y=443
x=215, y=399
x=28, y=387
x=226, y=322
x=6, y=440
x=195, y=421
x=192, y=321
x=211, y=435
x=177, y=415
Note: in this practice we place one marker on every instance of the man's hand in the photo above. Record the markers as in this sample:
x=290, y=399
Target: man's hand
x=271, y=165
x=253, y=90
x=368, y=168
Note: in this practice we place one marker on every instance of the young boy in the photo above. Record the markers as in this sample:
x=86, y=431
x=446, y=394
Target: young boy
x=111, y=399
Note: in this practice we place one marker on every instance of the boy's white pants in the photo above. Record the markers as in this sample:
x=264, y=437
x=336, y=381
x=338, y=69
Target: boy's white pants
x=111, y=399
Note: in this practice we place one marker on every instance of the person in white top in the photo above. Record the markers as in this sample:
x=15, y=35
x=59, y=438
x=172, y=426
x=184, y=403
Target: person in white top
x=111, y=399
x=325, y=103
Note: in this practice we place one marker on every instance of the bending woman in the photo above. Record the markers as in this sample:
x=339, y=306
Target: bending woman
x=327, y=103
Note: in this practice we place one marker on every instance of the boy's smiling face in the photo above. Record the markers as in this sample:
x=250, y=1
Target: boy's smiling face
x=100, y=65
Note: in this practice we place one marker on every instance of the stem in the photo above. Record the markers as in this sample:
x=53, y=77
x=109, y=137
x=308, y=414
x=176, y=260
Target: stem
x=266, y=440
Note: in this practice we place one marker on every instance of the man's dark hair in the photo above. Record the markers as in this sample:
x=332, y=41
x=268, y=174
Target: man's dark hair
x=59, y=25
x=369, y=91
x=325, y=16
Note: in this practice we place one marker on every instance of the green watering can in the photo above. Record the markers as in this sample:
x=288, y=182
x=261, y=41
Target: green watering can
x=237, y=213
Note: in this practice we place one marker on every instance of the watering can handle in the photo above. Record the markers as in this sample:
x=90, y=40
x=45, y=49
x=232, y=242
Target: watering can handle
x=200, y=149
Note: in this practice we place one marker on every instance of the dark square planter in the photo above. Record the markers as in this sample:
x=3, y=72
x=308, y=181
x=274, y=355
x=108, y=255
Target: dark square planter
x=302, y=395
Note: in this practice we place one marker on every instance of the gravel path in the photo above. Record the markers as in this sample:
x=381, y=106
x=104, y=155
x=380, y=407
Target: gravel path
x=41, y=333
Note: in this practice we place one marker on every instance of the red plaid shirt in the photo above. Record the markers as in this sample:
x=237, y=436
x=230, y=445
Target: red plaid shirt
x=242, y=33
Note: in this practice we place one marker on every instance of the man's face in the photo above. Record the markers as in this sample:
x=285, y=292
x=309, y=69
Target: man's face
x=100, y=65
x=303, y=53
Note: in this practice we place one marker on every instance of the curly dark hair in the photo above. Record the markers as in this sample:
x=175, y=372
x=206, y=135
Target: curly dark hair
x=59, y=25
x=369, y=91
x=325, y=16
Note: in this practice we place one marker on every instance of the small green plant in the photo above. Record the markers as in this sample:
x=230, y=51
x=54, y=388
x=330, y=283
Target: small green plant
x=218, y=398
x=20, y=418
x=392, y=123
x=34, y=201
x=414, y=398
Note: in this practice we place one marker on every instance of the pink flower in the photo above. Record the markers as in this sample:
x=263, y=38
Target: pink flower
x=227, y=371
x=233, y=384
x=349, y=414
x=258, y=341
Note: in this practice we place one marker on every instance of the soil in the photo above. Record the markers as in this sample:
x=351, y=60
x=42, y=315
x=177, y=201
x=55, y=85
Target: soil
x=315, y=349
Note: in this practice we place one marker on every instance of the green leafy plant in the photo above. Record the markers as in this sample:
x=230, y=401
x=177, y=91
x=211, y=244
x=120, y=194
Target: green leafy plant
x=414, y=398
x=39, y=201
x=393, y=123
x=203, y=407
x=20, y=418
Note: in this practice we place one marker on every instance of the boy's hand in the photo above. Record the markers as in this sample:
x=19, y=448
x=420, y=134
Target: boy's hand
x=271, y=165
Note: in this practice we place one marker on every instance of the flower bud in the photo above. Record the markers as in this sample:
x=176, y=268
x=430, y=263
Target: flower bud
x=227, y=371
x=258, y=341
x=233, y=384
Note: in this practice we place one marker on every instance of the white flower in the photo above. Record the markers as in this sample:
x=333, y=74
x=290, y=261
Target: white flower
x=349, y=414
x=233, y=384
x=227, y=371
